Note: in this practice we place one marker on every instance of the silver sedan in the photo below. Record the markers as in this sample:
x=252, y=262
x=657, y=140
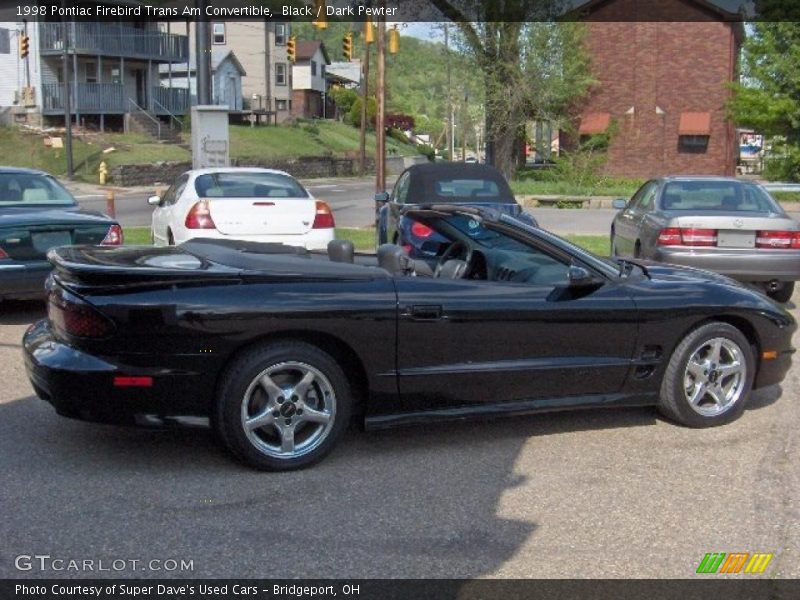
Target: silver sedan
x=721, y=224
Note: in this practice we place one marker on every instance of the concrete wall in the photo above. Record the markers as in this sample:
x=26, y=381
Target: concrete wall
x=308, y=167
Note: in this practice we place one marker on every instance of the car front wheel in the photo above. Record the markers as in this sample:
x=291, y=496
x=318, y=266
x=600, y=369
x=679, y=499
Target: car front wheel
x=784, y=294
x=282, y=406
x=709, y=377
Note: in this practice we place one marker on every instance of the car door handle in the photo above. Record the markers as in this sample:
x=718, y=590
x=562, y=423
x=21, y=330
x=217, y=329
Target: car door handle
x=426, y=312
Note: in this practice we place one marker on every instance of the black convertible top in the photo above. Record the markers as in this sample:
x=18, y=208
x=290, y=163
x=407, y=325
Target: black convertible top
x=431, y=183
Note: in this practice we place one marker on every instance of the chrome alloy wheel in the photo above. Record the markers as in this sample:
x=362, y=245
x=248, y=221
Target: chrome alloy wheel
x=715, y=377
x=288, y=410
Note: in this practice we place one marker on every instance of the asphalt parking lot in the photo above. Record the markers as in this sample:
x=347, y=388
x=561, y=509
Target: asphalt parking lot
x=591, y=494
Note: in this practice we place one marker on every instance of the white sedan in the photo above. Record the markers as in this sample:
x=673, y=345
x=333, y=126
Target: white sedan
x=259, y=205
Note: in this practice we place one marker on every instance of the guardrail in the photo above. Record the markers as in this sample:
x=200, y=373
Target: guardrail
x=782, y=187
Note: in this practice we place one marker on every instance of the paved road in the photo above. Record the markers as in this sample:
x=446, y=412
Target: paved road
x=588, y=494
x=352, y=202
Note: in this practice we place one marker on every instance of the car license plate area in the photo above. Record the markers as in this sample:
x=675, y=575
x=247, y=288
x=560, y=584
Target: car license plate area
x=42, y=242
x=736, y=239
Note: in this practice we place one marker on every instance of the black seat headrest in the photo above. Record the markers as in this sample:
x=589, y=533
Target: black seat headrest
x=341, y=251
x=394, y=259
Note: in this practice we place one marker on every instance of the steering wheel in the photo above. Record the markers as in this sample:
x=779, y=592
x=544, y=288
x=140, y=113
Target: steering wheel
x=457, y=249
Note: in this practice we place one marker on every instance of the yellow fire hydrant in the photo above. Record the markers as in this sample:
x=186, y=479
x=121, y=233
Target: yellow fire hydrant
x=103, y=172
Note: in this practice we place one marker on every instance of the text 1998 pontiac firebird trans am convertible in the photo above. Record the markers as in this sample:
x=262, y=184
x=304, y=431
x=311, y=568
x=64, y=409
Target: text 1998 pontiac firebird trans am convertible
x=281, y=347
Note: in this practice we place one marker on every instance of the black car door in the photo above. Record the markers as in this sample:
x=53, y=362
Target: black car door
x=462, y=342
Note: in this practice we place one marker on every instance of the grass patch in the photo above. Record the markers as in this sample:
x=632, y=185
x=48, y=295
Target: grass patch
x=786, y=196
x=364, y=239
x=531, y=187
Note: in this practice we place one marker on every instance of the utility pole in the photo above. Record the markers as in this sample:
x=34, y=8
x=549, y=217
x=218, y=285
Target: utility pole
x=380, y=116
x=464, y=127
x=448, y=127
x=67, y=111
x=203, y=56
x=362, y=142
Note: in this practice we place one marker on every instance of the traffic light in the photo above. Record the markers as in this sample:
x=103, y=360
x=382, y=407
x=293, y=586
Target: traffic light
x=394, y=40
x=24, y=45
x=369, y=31
x=291, y=48
x=347, y=46
x=320, y=15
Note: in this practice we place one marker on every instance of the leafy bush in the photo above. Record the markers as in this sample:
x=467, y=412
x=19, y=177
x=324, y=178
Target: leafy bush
x=400, y=121
x=354, y=117
x=344, y=99
x=428, y=151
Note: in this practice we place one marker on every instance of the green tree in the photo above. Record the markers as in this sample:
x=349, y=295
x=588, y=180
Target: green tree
x=531, y=68
x=768, y=97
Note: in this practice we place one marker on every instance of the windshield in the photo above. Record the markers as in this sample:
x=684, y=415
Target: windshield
x=248, y=184
x=718, y=196
x=32, y=189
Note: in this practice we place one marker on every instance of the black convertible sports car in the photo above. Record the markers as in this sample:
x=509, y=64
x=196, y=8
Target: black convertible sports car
x=279, y=347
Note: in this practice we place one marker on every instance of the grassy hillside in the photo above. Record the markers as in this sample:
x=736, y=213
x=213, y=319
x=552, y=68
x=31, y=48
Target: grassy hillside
x=416, y=75
x=310, y=138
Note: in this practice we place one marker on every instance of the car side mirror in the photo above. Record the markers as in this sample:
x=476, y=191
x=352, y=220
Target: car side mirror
x=619, y=203
x=154, y=200
x=381, y=197
x=579, y=277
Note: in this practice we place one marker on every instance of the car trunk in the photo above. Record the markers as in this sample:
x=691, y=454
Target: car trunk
x=733, y=231
x=27, y=236
x=262, y=216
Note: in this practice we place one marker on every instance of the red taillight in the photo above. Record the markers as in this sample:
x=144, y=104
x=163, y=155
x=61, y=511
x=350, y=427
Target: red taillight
x=420, y=230
x=674, y=236
x=114, y=236
x=323, y=219
x=199, y=216
x=670, y=236
x=133, y=382
x=3, y=253
x=70, y=314
x=778, y=239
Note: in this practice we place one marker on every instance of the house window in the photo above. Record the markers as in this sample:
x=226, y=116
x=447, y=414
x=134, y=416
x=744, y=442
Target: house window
x=115, y=75
x=5, y=41
x=313, y=69
x=280, y=34
x=280, y=74
x=218, y=33
x=280, y=104
x=91, y=72
x=693, y=144
x=322, y=71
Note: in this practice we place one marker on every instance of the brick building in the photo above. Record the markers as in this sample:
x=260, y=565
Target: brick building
x=662, y=86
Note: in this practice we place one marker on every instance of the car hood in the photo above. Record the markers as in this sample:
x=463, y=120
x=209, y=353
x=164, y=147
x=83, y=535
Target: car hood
x=26, y=215
x=662, y=272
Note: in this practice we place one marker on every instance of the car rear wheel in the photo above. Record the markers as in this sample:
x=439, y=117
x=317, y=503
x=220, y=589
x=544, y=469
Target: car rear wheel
x=784, y=294
x=709, y=377
x=282, y=406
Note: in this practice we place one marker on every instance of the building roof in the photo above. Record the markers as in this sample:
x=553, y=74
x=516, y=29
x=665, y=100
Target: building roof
x=705, y=6
x=307, y=48
x=218, y=56
x=344, y=72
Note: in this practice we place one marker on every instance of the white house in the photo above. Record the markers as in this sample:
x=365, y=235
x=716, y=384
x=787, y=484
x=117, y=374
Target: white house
x=309, y=84
x=226, y=78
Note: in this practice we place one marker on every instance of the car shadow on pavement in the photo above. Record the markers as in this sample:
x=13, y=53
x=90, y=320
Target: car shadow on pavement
x=414, y=502
x=21, y=312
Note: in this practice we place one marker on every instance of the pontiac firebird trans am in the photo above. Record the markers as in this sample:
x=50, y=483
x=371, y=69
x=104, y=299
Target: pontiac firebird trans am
x=281, y=347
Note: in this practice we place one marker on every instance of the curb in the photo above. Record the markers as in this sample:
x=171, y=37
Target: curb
x=593, y=202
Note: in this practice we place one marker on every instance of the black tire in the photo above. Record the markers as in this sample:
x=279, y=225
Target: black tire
x=674, y=402
x=784, y=294
x=329, y=393
x=637, y=250
x=170, y=238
